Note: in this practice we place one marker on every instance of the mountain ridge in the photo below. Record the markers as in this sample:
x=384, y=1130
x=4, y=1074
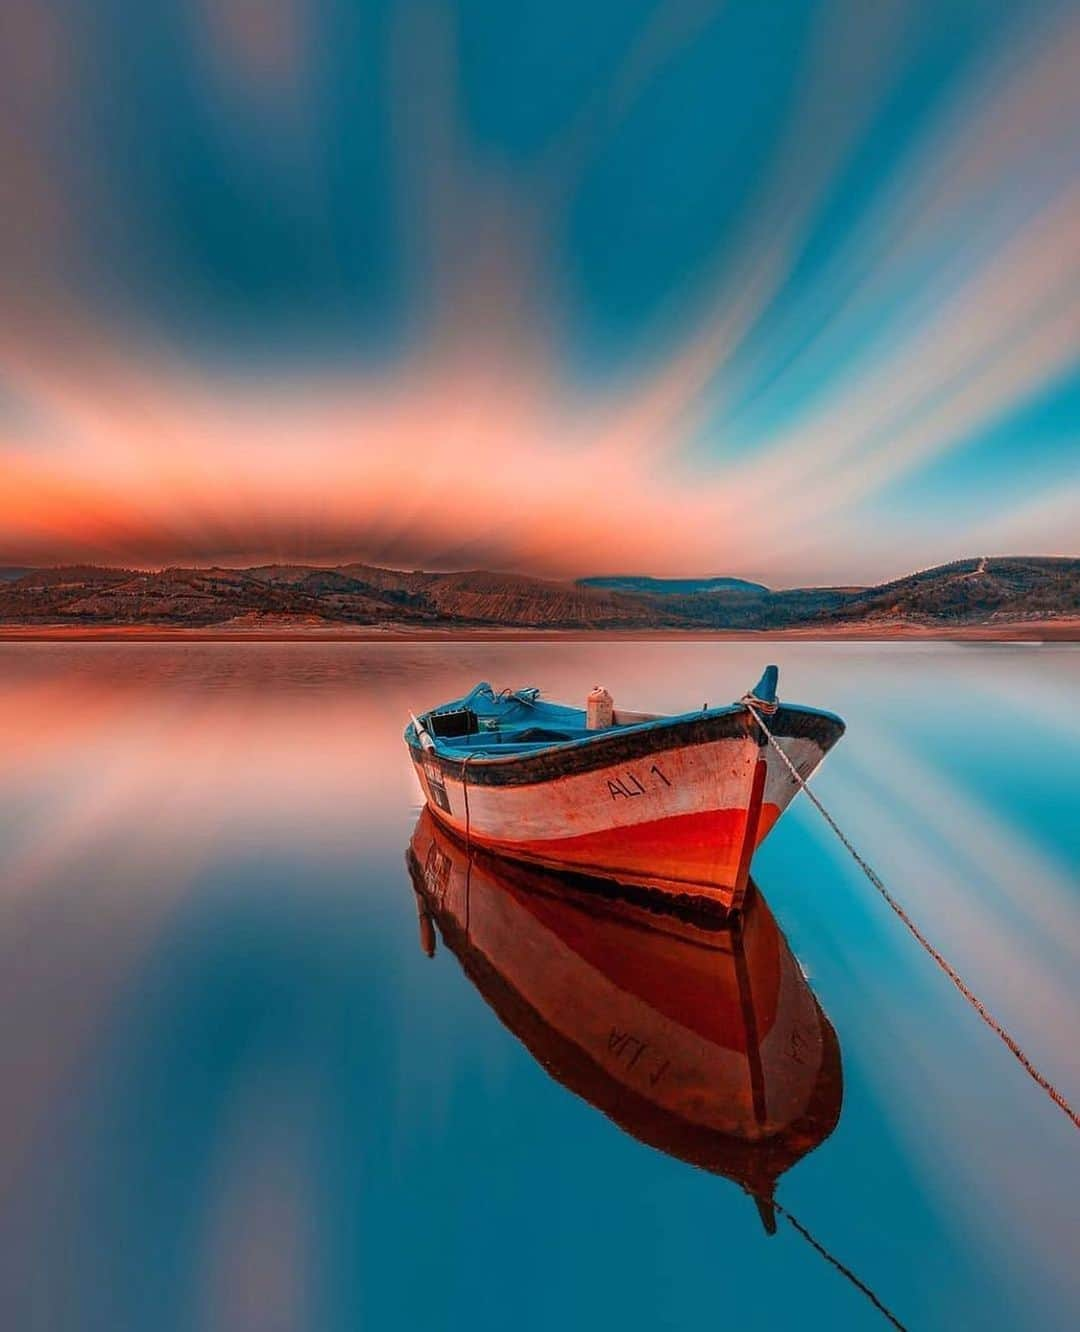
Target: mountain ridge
x=975, y=591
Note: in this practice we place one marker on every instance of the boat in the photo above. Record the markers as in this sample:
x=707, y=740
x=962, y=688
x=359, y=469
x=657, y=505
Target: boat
x=699, y=1037
x=673, y=805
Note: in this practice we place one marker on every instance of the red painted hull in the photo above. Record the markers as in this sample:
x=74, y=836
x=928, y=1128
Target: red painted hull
x=698, y=852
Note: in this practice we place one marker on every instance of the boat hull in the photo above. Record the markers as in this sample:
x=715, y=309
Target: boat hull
x=677, y=809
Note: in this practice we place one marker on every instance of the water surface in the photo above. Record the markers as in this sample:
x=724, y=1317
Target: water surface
x=238, y=1094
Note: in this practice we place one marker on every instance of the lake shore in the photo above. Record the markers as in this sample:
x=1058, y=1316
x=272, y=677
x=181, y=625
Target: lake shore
x=1059, y=630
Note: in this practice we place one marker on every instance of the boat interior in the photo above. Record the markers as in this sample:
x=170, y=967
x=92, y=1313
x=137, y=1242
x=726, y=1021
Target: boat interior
x=486, y=720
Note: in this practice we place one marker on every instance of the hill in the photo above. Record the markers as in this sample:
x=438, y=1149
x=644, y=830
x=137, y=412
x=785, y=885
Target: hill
x=347, y=595
x=963, y=593
x=966, y=591
x=974, y=592
x=666, y=587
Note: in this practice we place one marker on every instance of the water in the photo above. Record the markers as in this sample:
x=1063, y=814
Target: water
x=238, y=1094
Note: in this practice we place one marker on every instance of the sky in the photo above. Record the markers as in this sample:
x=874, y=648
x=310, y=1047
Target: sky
x=787, y=291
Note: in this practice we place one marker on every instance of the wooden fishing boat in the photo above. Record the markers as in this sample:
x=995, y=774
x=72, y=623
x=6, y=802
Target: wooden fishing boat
x=673, y=804
x=700, y=1038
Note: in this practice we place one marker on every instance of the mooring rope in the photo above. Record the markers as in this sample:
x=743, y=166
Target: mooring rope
x=842, y=1268
x=752, y=706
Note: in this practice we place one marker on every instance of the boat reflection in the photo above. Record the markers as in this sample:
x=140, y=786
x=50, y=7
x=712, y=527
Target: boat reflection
x=700, y=1038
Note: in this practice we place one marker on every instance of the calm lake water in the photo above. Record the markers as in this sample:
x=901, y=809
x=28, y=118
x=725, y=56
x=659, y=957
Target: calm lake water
x=239, y=1095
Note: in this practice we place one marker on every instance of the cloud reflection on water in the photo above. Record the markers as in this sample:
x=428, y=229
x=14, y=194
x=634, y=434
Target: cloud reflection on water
x=209, y=945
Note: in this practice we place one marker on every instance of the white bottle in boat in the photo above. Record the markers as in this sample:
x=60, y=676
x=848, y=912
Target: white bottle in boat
x=599, y=709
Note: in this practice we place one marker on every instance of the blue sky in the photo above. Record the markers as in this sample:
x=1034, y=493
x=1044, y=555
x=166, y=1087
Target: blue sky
x=796, y=286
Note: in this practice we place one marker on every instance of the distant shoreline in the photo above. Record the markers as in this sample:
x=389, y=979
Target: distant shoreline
x=1061, y=630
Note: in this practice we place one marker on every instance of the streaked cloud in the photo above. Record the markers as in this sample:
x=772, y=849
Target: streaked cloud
x=188, y=381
